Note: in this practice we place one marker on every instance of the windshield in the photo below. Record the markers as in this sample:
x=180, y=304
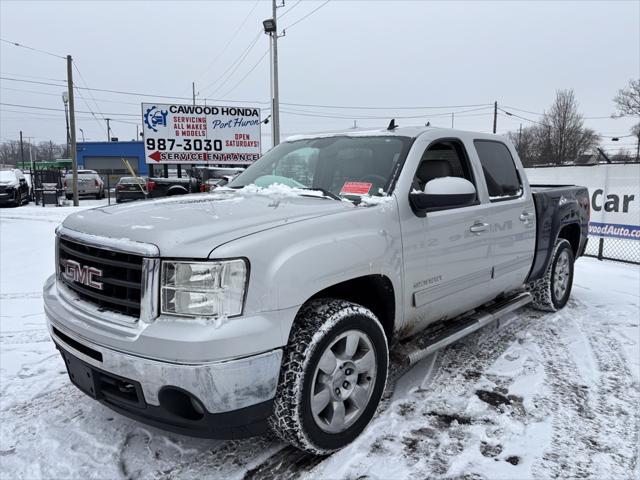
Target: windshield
x=7, y=176
x=340, y=165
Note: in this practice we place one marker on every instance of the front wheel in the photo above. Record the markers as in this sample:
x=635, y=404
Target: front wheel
x=551, y=292
x=334, y=371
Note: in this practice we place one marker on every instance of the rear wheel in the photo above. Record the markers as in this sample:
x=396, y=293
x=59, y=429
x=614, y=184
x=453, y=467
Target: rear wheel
x=551, y=292
x=333, y=375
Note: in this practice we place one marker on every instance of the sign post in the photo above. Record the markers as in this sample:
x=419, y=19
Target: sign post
x=202, y=134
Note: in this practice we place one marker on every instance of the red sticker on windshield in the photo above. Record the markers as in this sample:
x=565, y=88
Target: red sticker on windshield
x=356, y=188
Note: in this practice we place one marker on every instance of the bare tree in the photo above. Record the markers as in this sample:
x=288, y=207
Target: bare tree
x=635, y=131
x=559, y=137
x=527, y=145
x=10, y=153
x=564, y=136
x=628, y=100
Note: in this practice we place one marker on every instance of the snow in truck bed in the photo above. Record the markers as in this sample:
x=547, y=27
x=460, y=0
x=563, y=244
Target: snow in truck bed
x=543, y=395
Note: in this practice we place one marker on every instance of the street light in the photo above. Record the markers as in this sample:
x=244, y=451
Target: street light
x=82, y=132
x=65, y=100
x=269, y=25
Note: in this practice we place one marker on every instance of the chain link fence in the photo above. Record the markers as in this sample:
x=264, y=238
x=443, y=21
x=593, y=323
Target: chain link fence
x=618, y=249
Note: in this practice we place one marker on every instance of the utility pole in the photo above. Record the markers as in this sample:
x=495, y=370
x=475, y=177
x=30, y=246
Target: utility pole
x=21, y=150
x=65, y=100
x=72, y=123
x=495, y=116
x=108, y=129
x=452, y=114
x=193, y=91
x=520, y=136
x=271, y=29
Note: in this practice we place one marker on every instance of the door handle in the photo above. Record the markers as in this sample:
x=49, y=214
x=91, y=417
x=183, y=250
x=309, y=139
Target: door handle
x=478, y=227
x=525, y=217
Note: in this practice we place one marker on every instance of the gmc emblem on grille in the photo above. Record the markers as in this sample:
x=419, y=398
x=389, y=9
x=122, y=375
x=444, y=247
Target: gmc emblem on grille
x=82, y=274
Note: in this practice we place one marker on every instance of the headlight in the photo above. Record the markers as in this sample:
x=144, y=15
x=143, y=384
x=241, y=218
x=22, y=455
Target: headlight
x=203, y=289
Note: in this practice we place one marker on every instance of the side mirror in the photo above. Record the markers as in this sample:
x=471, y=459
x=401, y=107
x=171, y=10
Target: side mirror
x=441, y=193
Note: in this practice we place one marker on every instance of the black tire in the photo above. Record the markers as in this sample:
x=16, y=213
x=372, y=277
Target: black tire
x=69, y=197
x=545, y=296
x=318, y=324
x=17, y=201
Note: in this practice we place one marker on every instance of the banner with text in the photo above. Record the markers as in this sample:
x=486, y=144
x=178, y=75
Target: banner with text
x=197, y=134
x=614, y=191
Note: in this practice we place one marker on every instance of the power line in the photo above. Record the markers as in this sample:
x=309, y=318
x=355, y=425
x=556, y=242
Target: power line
x=234, y=66
x=136, y=94
x=62, y=110
x=36, y=92
x=362, y=107
x=34, y=76
x=94, y=101
x=304, y=113
x=224, y=49
x=599, y=117
x=33, y=49
x=248, y=73
x=312, y=105
x=306, y=16
x=289, y=9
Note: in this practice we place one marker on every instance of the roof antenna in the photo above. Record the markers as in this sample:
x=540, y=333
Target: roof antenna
x=392, y=124
x=428, y=124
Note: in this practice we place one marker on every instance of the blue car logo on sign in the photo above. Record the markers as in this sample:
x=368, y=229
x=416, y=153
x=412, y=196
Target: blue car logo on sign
x=154, y=117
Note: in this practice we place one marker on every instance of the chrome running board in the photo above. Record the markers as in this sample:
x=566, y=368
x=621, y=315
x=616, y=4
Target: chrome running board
x=449, y=331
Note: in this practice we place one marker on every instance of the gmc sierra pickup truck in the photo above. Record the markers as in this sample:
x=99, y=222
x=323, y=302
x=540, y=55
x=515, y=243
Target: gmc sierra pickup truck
x=271, y=304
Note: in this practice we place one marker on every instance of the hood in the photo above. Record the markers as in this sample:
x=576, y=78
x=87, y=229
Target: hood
x=193, y=225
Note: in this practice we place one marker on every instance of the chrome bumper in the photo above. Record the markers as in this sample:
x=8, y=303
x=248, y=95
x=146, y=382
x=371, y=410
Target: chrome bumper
x=220, y=386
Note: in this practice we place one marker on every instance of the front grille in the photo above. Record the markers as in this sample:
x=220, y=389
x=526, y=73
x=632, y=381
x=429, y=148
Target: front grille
x=121, y=276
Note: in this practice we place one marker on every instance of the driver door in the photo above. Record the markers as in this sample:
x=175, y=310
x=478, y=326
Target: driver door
x=447, y=252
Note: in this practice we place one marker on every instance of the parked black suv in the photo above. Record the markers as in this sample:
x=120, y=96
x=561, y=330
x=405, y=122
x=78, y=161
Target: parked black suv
x=14, y=189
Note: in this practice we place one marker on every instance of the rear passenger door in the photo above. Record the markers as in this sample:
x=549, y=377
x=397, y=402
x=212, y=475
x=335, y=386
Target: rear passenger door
x=511, y=216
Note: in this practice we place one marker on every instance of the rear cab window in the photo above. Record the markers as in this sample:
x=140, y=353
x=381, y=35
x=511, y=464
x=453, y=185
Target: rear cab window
x=499, y=169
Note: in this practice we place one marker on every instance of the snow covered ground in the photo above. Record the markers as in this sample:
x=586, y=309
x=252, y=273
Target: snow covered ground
x=544, y=395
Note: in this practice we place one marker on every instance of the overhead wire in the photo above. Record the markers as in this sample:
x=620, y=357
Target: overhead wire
x=247, y=74
x=226, y=46
x=33, y=49
x=233, y=67
x=289, y=9
x=306, y=16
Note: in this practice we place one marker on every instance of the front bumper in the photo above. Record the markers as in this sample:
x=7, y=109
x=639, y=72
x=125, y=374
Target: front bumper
x=175, y=411
x=233, y=395
x=7, y=196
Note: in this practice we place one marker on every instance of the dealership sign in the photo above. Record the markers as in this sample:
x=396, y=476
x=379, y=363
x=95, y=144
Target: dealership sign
x=196, y=134
x=614, y=193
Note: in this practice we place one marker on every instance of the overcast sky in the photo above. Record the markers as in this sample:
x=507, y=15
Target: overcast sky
x=347, y=53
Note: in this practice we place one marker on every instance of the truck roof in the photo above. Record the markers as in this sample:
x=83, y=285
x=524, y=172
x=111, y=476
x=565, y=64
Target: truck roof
x=409, y=131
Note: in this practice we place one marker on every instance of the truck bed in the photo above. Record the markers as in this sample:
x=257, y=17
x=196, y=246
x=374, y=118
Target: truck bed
x=558, y=206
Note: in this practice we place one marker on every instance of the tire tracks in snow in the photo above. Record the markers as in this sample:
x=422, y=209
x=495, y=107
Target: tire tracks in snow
x=595, y=425
x=464, y=360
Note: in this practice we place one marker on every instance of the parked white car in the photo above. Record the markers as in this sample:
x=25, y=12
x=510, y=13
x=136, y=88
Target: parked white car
x=89, y=183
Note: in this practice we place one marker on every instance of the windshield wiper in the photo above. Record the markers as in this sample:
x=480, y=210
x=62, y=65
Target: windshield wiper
x=325, y=192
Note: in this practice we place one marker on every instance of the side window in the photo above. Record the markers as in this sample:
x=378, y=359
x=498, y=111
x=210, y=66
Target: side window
x=444, y=158
x=500, y=173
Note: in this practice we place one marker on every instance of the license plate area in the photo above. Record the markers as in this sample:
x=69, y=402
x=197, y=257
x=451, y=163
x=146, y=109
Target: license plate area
x=102, y=385
x=81, y=375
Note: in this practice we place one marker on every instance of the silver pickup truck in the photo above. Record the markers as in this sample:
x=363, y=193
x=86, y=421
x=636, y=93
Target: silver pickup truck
x=272, y=304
